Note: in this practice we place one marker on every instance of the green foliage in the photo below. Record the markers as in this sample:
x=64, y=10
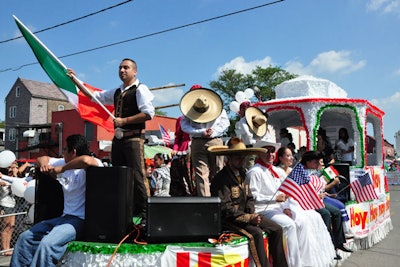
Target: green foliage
x=265, y=79
x=2, y=124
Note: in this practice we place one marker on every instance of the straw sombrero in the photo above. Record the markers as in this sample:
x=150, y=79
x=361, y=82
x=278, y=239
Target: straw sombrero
x=256, y=120
x=235, y=146
x=201, y=105
x=265, y=143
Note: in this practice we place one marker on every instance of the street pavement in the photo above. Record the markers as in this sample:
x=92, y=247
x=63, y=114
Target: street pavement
x=385, y=253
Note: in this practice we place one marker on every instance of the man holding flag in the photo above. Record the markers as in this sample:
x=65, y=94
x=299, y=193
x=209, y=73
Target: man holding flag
x=133, y=107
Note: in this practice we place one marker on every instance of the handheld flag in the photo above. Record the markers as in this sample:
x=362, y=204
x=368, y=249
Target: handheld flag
x=297, y=185
x=363, y=189
x=165, y=135
x=57, y=72
x=330, y=173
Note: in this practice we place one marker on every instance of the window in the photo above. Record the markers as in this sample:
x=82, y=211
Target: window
x=17, y=91
x=61, y=108
x=13, y=111
x=89, y=131
x=12, y=134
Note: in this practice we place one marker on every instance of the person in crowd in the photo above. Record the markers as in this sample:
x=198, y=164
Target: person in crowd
x=331, y=215
x=160, y=178
x=46, y=242
x=285, y=137
x=345, y=147
x=205, y=121
x=181, y=176
x=133, y=107
x=292, y=147
x=242, y=109
x=237, y=205
x=7, y=206
x=324, y=146
x=320, y=251
x=252, y=128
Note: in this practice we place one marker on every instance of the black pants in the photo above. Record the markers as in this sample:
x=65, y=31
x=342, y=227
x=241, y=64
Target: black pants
x=333, y=220
x=130, y=152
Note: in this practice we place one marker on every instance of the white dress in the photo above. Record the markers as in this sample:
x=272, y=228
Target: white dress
x=308, y=241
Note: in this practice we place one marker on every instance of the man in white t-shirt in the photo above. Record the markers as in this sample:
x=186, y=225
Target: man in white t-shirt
x=46, y=242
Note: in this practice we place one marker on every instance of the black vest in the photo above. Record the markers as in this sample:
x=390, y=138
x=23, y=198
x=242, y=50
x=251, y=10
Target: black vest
x=126, y=105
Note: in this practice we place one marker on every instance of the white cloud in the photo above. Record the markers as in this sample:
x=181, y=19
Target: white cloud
x=388, y=103
x=385, y=6
x=327, y=62
x=397, y=72
x=167, y=96
x=240, y=65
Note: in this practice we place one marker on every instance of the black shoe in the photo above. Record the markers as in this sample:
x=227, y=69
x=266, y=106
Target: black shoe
x=343, y=248
x=338, y=257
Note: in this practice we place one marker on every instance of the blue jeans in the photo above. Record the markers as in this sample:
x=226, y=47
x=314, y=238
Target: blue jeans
x=46, y=242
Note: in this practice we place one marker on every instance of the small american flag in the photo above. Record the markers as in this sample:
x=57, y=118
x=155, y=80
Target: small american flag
x=297, y=185
x=363, y=189
x=165, y=135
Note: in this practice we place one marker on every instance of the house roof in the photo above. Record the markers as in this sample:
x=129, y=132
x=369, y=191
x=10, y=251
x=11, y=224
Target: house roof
x=43, y=90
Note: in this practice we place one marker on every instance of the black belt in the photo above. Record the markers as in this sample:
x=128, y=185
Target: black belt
x=249, y=146
x=133, y=133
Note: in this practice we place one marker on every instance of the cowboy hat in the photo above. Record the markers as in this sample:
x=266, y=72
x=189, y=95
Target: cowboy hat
x=256, y=120
x=201, y=105
x=265, y=143
x=235, y=146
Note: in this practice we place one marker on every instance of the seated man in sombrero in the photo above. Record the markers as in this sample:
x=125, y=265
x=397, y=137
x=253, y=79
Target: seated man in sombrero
x=237, y=204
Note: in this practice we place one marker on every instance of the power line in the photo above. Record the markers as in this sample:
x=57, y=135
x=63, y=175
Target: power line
x=69, y=21
x=154, y=33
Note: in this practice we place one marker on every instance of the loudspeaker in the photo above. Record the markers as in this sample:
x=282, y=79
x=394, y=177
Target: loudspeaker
x=183, y=219
x=344, y=170
x=49, y=197
x=109, y=203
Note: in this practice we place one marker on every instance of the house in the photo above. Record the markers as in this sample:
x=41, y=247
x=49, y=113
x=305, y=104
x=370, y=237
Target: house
x=29, y=106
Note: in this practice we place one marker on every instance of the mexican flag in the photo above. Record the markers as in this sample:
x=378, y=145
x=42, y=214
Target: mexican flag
x=330, y=173
x=56, y=70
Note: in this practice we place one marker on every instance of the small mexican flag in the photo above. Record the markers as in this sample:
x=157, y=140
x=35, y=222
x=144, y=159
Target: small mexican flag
x=330, y=173
x=57, y=72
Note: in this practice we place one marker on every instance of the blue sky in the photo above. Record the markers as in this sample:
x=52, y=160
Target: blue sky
x=353, y=43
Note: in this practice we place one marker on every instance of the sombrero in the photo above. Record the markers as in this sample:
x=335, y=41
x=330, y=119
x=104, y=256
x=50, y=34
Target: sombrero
x=201, y=105
x=235, y=146
x=265, y=143
x=256, y=120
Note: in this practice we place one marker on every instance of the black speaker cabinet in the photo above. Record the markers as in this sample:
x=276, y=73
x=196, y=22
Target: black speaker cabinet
x=109, y=204
x=344, y=170
x=49, y=197
x=183, y=219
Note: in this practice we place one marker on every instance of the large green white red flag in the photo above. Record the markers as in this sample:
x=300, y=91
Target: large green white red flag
x=57, y=72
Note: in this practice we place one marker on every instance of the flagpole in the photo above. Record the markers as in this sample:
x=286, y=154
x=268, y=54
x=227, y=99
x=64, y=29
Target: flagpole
x=83, y=88
x=76, y=81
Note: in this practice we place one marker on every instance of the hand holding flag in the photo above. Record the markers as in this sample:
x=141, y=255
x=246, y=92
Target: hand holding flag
x=297, y=185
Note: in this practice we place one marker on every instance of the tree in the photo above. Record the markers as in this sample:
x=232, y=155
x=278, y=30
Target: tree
x=262, y=80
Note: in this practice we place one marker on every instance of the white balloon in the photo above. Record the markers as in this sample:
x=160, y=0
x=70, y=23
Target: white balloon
x=7, y=157
x=249, y=93
x=31, y=213
x=234, y=106
x=18, y=187
x=29, y=193
x=240, y=96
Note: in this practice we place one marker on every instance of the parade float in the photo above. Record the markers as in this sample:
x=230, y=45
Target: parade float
x=307, y=104
x=304, y=104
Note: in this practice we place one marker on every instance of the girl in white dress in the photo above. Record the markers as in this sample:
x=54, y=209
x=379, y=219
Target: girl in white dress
x=320, y=250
